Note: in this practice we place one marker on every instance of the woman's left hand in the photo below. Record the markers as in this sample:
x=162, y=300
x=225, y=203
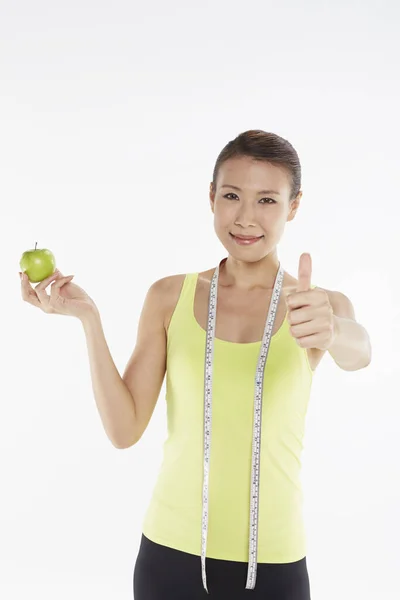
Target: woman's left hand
x=310, y=313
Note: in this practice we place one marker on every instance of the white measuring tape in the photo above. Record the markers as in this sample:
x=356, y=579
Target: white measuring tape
x=258, y=397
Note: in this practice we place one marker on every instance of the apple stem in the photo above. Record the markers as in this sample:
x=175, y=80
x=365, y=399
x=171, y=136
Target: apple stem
x=35, y=245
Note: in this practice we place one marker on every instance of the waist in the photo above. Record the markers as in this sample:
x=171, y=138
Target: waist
x=175, y=512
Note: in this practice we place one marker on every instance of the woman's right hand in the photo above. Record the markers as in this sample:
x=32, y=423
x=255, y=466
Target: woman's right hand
x=65, y=298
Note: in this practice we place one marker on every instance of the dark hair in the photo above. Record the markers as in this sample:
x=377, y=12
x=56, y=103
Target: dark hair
x=269, y=147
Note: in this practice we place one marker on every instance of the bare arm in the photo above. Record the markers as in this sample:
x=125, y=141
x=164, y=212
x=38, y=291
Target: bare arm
x=125, y=404
x=146, y=368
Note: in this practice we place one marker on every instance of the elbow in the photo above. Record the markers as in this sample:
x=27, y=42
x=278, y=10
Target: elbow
x=355, y=367
x=119, y=446
x=124, y=444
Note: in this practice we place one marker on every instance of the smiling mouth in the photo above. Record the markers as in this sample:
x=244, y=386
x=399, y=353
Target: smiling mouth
x=245, y=241
x=246, y=237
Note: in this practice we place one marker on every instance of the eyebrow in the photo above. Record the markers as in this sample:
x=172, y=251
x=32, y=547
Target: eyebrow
x=260, y=192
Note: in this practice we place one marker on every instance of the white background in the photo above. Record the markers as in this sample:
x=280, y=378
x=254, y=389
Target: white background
x=112, y=115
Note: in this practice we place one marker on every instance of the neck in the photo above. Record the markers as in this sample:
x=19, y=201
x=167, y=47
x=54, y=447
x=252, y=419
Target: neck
x=248, y=276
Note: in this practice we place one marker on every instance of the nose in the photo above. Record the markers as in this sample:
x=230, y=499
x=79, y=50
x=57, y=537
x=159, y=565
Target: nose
x=245, y=216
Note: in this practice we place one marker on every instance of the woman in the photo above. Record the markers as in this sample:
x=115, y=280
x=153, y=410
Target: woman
x=241, y=341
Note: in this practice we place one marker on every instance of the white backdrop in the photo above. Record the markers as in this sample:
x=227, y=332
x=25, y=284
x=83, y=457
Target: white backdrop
x=112, y=116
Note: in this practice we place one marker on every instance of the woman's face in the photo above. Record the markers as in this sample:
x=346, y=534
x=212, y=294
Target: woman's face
x=251, y=198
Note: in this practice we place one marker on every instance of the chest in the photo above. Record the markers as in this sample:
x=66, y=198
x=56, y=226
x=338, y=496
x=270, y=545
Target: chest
x=240, y=318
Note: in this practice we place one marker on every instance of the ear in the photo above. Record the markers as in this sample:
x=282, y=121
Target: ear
x=294, y=206
x=212, y=197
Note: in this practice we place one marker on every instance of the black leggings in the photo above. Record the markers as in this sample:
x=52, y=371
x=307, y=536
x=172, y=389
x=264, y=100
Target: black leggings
x=163, y=573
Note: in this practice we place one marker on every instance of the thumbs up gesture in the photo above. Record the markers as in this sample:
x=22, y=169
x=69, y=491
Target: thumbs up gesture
x=310, y=313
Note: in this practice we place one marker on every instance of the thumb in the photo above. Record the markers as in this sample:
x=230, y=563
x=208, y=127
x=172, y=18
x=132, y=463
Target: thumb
x=304, y=274
x=61, y=280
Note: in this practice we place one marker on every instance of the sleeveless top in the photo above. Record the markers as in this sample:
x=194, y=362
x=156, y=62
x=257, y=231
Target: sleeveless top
x=174, y=515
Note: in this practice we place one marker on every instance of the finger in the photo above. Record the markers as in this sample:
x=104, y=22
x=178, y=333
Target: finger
x=40, y=289
x=57, y=285
x=304, y=275
x=61, y=281
x=27, y=292
x=24, y=276
x=55, y=290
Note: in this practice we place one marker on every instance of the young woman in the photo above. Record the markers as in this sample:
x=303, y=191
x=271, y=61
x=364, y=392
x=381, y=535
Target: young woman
x=239, y=344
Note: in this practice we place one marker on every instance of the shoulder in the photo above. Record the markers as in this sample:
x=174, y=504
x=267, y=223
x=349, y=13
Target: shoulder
x=165, y=292
x=167, y=287
x=168, y=283
x=171, y=285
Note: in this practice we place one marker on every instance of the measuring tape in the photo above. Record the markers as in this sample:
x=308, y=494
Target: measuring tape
x=258, y=399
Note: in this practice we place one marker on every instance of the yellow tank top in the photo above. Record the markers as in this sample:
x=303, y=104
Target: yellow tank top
x=174, y=515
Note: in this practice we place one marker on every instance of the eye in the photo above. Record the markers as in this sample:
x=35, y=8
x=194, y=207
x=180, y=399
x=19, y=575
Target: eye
x=270, y=199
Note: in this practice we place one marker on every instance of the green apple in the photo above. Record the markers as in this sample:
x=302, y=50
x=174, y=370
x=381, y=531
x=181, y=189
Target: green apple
x=37, y=264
